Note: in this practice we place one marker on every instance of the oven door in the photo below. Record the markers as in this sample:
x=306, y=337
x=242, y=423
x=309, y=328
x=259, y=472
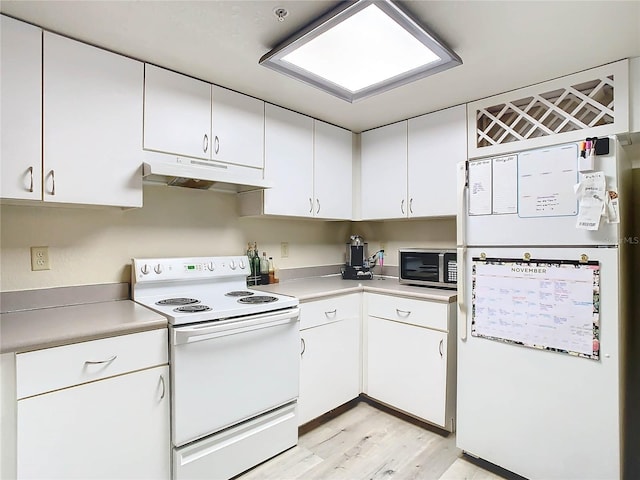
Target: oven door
x=226, y=372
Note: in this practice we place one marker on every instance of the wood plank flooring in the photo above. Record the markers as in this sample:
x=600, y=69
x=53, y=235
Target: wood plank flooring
x=364, y=440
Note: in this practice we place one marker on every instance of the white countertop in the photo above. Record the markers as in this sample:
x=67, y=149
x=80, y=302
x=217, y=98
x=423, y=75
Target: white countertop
x=51, y=327
x=318, y=287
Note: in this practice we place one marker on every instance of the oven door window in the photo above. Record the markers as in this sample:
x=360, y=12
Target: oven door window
x=423, y=266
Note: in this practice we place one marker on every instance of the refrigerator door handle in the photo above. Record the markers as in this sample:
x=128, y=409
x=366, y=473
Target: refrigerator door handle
x=462, y=293
x=461, y=217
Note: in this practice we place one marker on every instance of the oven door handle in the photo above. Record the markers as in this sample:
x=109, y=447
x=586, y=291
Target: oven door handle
x=211, y=330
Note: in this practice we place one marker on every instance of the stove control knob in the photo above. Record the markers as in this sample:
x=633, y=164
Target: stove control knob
x=158, y=269
x=210, y=266
x=242, y=265
x=232, y=264
x=145, y=269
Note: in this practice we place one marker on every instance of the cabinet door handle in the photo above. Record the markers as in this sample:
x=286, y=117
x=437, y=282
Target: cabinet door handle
x=310, y=205
x=205, y=143
x=411, y=205
x=318, y=201
x=440, y=348
x=402, y=206
x=216, y=144
x=405, y=313
x=331, y=312
x=53, y=182
x=303, y=346
x=30, y=170
x=164, y=388
x=99, y=362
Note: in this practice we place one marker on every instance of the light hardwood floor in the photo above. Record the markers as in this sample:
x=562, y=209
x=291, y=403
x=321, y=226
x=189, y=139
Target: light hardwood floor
x=364, y=440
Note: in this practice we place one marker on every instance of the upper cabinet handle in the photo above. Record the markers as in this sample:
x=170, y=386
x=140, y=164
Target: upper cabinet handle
x=30, y=170
x=318, y=202
x=411, y=205
x=216, y=144
x=98, y=362
x=205, y=143
x=53, y=184
x=310, y=205
x=402, y=206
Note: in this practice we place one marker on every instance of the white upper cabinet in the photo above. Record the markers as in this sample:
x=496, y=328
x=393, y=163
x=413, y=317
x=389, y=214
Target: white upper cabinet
x=332, y=172
x=634, y=95
x=436, y=143
x=21, y=110
x=383, y=180
x=237, y=128
x=177, y=113
x=288, y=162
x=92, y=119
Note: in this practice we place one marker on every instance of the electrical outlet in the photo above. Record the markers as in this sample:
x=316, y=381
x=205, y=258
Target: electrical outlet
x=284, y=249
x=40, y=258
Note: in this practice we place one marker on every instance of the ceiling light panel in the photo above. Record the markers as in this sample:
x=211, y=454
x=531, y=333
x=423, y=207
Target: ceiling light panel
x=360, y=49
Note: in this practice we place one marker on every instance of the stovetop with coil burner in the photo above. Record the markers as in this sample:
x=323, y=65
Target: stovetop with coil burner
x=200, y=289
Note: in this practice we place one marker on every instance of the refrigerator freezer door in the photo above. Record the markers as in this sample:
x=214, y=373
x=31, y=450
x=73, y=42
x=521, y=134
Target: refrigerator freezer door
x=539, y=413
x=521, y=228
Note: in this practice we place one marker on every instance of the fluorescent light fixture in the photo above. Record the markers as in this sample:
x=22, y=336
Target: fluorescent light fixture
x=361, y=49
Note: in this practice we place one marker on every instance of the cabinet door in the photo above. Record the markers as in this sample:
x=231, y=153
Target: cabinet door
x=406, y=368
x=92, y=120
x=437, y=142
x=383, y=177
x=115, y=428
x=332, y=172
x=21, y=110
x=177, y=113
x=288, y=162
x=237, y=127
x=329, y=367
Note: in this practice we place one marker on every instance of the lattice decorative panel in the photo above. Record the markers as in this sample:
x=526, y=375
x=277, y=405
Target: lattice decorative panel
x=590, y=103
x=576, y=107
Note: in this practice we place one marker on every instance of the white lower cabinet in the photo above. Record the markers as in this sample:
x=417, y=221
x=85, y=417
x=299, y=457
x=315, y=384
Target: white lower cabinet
x=330, y=355
x=114, y=425
x=410, y=366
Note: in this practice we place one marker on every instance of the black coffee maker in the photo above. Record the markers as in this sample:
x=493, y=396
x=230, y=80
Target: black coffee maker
x=357, y=265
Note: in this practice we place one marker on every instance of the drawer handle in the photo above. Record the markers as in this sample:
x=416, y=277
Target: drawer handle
x=332, y=312
x=303, y=345
x=164, y=388
x=440, y=348
x=404, y=313
x=99, y=362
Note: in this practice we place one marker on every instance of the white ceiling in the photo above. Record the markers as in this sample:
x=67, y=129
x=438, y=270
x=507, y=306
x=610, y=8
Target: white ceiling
x=504, y=45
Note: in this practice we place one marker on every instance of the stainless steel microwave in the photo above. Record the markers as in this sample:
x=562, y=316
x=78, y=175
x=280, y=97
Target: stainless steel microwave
x=430, y=268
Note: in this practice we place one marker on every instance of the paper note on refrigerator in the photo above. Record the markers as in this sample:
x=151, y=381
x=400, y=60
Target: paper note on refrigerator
x=505, y=185
x=480, y=187
x=551, y=305
x=546, y=178
x=592, y=196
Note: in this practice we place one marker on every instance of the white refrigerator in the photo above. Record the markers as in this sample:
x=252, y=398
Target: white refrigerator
x=542, y=311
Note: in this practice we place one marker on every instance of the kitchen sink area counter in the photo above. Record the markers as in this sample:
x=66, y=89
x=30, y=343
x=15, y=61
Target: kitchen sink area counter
x=317, y=287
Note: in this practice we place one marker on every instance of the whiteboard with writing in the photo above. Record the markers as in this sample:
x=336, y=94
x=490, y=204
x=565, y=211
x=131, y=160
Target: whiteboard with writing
x=546, y=304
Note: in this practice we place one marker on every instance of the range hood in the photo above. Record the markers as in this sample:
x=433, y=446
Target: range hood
x=173, y=170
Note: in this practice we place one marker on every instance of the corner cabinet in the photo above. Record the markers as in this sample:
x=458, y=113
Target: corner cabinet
x=329, y=355
x=21, y=110
x=410, y=359
x=94, y=410
x=309, y=163
x=92, y=116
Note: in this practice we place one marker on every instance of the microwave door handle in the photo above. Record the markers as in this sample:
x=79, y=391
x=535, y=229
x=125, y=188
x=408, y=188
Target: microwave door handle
x=441, y=267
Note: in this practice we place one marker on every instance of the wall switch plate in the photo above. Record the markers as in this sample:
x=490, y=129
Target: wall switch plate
x=40, y=258
x=284, y=249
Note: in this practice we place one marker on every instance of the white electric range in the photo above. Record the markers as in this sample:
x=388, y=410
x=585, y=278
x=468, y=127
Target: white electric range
x=234, y=359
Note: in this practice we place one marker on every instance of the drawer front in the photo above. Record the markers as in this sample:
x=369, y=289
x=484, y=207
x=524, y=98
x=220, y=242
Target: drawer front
x=59, y=367
x=423, y=313
x=328, y=310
